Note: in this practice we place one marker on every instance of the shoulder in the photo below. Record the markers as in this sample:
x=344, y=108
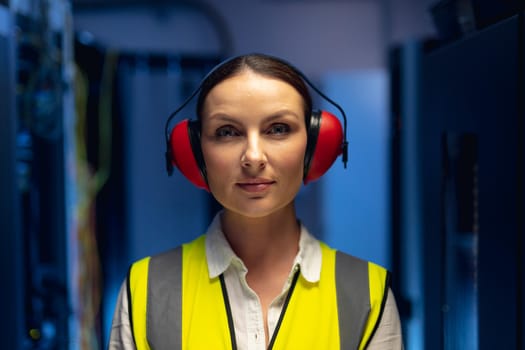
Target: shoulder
x=378, y=276
x=349, y=262
x=349, y=259
x=171, y=255
x=352, y=271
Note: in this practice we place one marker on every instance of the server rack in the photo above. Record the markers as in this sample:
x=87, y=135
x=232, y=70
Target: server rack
x=459, y=170
x=35, y=99
x=11, y=262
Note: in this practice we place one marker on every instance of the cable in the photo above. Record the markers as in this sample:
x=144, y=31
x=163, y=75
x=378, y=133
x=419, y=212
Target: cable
x=89, y=185
x=87, y=300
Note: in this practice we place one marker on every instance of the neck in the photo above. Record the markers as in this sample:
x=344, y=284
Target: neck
x=263, y=242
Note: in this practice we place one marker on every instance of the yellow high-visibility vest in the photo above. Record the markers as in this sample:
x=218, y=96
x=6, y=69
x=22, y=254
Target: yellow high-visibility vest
x=174, y=304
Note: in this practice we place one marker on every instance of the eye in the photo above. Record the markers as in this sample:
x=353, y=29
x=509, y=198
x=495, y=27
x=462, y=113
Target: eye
x=279, y=129
x=226, y=131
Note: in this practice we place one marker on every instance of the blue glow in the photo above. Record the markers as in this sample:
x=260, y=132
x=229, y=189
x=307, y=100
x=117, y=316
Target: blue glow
x=355, y=201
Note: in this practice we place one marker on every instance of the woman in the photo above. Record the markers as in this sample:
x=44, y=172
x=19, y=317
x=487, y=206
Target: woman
x=257, y=279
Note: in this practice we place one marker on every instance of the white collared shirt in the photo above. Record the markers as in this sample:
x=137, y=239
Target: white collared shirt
x=245, y=305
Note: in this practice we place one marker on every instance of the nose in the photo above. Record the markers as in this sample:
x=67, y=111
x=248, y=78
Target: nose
x=253, y=156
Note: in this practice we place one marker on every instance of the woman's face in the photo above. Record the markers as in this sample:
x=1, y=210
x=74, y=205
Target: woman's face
x=253, y=141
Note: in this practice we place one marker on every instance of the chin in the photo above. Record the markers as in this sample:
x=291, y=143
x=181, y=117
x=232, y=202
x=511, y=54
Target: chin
x=259, y=210
x=252, y=213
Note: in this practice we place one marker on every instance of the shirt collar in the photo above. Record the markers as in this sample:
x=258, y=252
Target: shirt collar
x=220, y=255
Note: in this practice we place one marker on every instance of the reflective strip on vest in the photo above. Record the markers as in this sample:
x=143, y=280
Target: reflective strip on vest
x=157, y=307
x=361, y=295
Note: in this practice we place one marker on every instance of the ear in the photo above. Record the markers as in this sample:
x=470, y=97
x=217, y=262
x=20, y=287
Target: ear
x=186, y=152
x=325, y=140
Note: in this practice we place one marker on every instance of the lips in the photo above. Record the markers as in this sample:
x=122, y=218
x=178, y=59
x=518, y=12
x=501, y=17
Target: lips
x=255, y=185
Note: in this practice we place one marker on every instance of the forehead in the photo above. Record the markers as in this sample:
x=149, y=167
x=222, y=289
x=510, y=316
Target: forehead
x=253, y=86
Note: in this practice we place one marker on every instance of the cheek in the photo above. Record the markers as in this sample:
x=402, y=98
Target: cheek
x=211, y=159
x=218, y=163
x=210, y=156
x=292, y=160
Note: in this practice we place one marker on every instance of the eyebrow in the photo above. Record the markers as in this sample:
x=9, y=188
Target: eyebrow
x=276, y=115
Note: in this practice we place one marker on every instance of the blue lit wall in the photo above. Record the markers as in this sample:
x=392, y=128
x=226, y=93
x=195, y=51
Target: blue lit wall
x=355, y=201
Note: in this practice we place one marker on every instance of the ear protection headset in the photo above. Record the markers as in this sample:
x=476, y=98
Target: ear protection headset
x=326, y=139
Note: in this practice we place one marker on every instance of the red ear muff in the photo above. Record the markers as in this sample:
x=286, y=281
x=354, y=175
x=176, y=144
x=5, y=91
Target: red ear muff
x=325, y=144
x=186, y=154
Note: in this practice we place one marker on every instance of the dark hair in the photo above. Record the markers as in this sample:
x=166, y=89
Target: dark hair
x=261, y=64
